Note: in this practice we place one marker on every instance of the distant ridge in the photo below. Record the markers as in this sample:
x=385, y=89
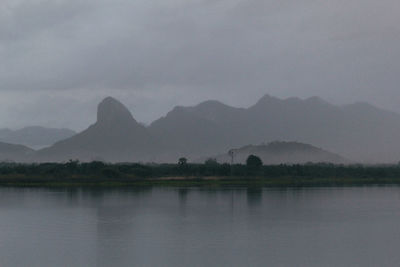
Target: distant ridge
x=35, y=136
x=14, y=152
x=359, y=132
x=283, y=153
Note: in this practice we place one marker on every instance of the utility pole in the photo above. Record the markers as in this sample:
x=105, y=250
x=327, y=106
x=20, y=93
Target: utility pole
x=232, y=155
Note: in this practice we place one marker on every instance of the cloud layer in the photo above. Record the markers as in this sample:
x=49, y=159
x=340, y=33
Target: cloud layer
x=156, y=54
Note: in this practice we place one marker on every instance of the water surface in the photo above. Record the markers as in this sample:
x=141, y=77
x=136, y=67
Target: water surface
x=355, y=226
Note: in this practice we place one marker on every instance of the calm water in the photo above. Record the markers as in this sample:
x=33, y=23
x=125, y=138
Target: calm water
x=357, y=226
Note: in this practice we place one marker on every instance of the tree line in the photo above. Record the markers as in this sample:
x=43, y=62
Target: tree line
x=183, y=168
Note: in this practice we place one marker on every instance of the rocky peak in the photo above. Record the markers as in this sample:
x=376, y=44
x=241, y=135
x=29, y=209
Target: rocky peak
x=111, y=110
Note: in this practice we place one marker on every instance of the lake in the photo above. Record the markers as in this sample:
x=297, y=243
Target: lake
x=166, y=226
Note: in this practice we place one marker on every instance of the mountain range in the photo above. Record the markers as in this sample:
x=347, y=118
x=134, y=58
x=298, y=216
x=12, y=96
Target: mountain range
x=359, y=132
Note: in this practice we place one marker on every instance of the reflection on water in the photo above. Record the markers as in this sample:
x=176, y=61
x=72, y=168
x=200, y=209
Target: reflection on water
x=254, y=196
x=199, y=226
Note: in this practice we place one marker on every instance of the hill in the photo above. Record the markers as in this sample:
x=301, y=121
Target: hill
x=282, y=153
x=14, y=152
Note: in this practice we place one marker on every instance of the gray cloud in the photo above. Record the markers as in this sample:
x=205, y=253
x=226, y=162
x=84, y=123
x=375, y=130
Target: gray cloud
x=157, y=54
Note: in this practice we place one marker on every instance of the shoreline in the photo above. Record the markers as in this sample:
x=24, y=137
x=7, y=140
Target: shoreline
x=212, y=181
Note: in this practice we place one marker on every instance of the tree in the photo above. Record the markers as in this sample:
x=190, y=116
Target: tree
x=182, y=161
x=211, y=162
x=72, y=165
x=254, y=161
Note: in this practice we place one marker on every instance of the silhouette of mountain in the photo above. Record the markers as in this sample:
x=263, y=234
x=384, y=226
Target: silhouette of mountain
x=200, y=130
x=14, y=152
x=116, y=136
x=34, y=136
x=359, y=131
x=282, y=153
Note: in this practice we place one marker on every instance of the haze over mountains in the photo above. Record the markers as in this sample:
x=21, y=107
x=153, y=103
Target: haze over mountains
x=359, y=132
x=14, y=152
x=34, y=136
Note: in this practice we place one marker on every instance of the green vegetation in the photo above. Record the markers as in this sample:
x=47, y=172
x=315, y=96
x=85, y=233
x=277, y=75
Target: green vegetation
x=182, y=161
x=254, y=162
x=183, y=173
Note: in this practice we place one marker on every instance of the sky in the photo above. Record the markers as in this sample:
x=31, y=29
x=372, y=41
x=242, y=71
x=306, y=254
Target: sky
x=59, y=58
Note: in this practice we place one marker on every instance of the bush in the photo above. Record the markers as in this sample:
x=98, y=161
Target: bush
x=254, y=161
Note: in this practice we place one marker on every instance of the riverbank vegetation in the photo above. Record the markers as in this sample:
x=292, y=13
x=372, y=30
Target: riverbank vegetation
x=183, y=173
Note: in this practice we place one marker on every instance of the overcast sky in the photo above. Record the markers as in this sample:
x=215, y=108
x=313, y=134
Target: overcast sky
x=59, y=58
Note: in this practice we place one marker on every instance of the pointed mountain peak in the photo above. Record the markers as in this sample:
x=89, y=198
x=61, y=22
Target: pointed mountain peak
x=111, y=110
